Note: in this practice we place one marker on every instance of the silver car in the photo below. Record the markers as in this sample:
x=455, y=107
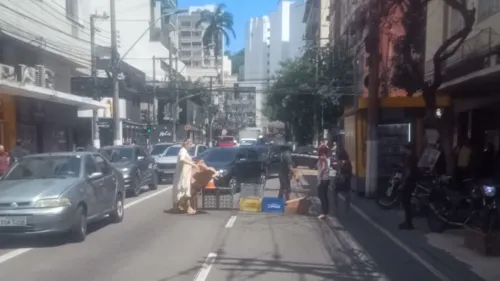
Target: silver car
x=59, y=193
x=167, y=162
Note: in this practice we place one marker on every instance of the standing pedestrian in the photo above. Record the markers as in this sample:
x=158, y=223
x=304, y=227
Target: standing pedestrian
x=342, y=182
x=286, y=172
x=323, y=184
x=181, y=188
x=408, y=184
x=4, y=161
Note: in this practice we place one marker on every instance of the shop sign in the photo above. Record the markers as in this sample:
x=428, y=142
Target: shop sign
x=38, y=75
x=165, y=134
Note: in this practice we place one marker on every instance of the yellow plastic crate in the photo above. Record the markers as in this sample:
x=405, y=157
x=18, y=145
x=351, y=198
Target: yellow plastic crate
x=251, y=204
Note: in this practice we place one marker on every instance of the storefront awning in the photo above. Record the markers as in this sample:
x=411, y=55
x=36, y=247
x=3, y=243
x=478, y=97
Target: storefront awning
x=15, y=88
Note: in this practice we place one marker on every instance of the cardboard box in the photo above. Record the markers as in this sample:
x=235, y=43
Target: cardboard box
x=299, y=206
x=201, y=176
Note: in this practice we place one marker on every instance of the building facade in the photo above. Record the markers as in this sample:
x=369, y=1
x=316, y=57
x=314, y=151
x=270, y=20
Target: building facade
x=42, y=45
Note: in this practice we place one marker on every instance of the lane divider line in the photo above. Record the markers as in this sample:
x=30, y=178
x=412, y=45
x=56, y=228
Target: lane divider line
x=15, y=253
x=231, y=221
x=206, y=267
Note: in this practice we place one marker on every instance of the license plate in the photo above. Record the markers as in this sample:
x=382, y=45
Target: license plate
x=13, y=221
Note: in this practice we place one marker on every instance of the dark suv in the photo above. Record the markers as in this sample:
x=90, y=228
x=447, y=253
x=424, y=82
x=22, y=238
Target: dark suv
x=135, y=164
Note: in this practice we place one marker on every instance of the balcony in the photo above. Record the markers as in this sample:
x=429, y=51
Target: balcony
x=475, y=54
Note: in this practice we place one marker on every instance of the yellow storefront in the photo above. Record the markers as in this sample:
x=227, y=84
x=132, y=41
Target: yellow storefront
x=355, y=128
x=7, y=121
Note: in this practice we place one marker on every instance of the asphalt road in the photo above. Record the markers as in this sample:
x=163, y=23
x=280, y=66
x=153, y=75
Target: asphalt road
x=153, y=245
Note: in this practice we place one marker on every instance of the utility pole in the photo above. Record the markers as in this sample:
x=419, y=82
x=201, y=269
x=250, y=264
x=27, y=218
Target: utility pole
x=176, y=93
x=316, y=82
x=210, y=117
x=155, y=98
x=95, y=113
x=114, y=69
x=373, y=102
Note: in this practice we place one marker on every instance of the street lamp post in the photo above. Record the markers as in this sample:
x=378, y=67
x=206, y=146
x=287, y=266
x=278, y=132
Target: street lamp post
x=117, y=61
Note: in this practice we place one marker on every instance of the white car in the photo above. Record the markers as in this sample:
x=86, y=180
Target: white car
x=167, y=162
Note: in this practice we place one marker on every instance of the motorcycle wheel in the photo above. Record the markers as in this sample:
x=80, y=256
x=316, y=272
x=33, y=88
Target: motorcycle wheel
x=435, y=223
x=389, y=199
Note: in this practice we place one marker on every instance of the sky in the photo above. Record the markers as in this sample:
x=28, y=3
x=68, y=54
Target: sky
x=242, y=11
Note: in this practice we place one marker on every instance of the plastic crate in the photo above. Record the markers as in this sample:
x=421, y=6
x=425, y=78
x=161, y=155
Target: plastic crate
x=249, y=190
x=251, y=204
x=273, y=205
x=217, y=199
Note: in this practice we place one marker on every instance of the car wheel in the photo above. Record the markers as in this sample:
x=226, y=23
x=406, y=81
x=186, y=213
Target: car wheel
x=79, y=228
x=154, y=181
x=233, y=184
x=136, y=186
x=119, y=210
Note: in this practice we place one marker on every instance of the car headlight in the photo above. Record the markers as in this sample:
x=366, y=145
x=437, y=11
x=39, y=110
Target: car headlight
x=489, y=190
x=221, y=173
x=53, y=203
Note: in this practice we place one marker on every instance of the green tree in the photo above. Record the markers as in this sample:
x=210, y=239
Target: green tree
x=306, y=86
x=218, y=27
x=237, y=59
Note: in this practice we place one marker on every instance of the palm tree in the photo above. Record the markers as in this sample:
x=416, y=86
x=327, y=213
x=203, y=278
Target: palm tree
x=218, y=27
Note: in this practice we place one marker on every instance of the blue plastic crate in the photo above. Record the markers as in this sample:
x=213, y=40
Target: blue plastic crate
x=273, y=205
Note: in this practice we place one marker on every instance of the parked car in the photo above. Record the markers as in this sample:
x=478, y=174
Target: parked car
x=271, y=157
x=135, y=164
x=160, y=148
x=60, y=193
x=305, y=156
x=167, y=162
x=235, y=165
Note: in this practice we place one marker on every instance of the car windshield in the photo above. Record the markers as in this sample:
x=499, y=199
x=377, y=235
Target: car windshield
x=219, y=155
x=192, y=150
x=44, y=167
x=118, y=154
x=159, y=149
x=248, y=142
x=172, y=151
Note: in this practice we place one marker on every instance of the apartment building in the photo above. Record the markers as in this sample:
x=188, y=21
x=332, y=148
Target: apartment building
x=317, y=24
x=471, y=75
x=42, y=45
x=271, y=40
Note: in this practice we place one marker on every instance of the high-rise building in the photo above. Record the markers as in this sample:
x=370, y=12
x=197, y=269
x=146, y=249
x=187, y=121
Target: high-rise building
x=271, y=40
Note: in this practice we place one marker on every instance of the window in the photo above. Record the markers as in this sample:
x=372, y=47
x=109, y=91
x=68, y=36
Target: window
x=185, y=33
x=185, y=53
x=197, y=44
x=137, y=152
x=102, y=165
x=90, y=166
x=196, y=33
x=143, y=152
x=488, y=8
x=201, y=149
x=72, y=9
x=208, y=62
x=196, y=63
x=186, y=24
x=185, y=45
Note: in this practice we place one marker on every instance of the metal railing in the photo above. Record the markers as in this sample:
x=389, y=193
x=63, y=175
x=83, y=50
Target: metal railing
x=479, y=45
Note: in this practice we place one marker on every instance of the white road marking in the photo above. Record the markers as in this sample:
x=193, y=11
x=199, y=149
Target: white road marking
x=231, y=221
x=206, y=267
x=15, y=253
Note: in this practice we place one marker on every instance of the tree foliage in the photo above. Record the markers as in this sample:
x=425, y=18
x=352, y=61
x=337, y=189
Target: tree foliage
x=218, y=29
x=305, y=87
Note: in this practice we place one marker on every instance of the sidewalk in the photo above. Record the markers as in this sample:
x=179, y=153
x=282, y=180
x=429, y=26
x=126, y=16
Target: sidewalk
x=443, y=253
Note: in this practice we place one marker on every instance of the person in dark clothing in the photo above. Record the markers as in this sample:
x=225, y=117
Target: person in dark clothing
x=17, y=152
x=408, y=184
x=323, y=183
x=343, y=177
x=286, y=172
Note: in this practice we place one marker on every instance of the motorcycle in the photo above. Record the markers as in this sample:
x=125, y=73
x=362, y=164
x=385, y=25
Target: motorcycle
x=486, y=201
x=390, y=199
x=451, y=205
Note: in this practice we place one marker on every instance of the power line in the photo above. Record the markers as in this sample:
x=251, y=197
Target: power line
x=42, y=23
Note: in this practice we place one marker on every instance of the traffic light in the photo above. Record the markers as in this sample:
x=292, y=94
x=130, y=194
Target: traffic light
x=148, y=129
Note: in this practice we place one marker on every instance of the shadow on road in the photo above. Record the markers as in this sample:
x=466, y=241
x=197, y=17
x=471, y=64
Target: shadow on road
x=46, y=241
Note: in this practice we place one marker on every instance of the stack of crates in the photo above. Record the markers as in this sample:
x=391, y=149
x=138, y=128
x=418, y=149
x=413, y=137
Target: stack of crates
x=217, y=199
x=251, y=197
